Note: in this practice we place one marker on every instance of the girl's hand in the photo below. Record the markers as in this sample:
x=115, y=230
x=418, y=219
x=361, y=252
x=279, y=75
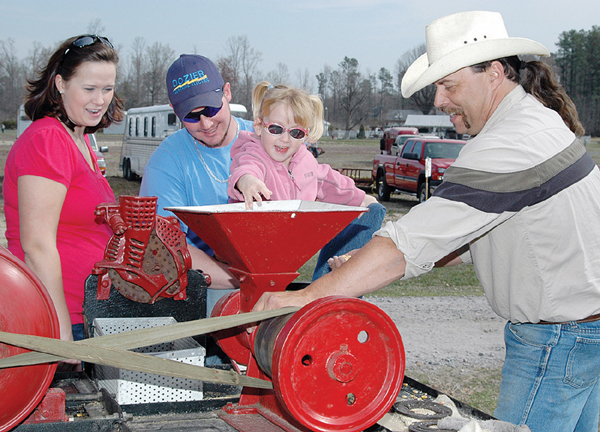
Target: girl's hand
x=369, y=199
x=253, y=189
x=337, y=261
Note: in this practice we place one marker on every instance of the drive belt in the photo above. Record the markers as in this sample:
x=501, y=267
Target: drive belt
x=112, y=350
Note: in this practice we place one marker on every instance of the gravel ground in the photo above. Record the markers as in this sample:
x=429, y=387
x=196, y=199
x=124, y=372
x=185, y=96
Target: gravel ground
x=458, y=332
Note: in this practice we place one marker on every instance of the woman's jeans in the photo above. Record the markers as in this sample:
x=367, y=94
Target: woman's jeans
x=77, y=330
x=550, y=377
x=354, y=236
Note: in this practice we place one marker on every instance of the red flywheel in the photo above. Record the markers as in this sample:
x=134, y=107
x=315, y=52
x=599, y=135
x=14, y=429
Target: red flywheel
x=338, y=364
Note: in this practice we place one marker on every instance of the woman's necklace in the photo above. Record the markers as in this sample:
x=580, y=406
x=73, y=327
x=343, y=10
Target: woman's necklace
x=204, y=162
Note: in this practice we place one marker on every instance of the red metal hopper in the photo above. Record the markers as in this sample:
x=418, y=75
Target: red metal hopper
x=321, y=359
x=266, y=246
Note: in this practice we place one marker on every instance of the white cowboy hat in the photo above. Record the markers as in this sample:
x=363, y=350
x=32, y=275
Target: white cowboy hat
x=460, y=40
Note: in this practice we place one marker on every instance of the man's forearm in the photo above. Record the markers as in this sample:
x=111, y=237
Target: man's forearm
x=220, y=276
x=374, y=266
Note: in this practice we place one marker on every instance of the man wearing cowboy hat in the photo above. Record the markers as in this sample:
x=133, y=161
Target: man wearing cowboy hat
x=521, y=202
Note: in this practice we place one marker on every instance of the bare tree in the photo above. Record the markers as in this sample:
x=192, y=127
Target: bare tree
x=159, y=58
x=280, y=75
x=334, y=84
x=386, y=93
x=145, y=77
x=231, y=66
x=423, y=99
x=304, y=80
x=36, y=60
x=241, y=68
x=12, y=79
x=96, y=27
x=354, y=93
x=322, y=87
x=132, y=90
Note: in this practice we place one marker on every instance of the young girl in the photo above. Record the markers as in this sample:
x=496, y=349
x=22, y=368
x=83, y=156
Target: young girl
x=273, y=163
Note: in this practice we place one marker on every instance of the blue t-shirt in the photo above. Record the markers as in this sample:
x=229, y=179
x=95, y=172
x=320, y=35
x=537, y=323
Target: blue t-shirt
x=177, y=175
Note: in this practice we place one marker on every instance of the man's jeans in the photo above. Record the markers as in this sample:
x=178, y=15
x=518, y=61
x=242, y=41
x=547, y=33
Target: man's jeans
x=354, y=236
x=550, y=377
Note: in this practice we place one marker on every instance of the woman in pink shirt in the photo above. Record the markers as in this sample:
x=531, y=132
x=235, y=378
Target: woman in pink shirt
x=52, y=181
x=273, y=163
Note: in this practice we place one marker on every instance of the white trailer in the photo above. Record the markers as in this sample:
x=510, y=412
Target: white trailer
x=238, y=111
x=145, y=129
x=22, y=121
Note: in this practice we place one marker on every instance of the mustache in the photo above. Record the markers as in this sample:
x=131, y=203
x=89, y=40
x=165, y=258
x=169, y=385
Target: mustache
x=453, y=111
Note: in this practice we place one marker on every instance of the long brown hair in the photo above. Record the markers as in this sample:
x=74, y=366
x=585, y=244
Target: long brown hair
x=538, y=80
x=43, y=98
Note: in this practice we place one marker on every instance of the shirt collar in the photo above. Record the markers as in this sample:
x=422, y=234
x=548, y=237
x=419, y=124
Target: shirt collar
x=515, y=96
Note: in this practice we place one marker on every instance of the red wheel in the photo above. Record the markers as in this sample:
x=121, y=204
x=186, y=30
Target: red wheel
x=25, y=308
x=338, y=364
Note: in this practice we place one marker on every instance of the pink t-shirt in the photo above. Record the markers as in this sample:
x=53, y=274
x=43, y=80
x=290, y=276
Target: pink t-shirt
x=46, y=149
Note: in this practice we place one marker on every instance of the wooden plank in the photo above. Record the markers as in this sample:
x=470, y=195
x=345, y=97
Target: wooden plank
x=155, y=335
x=130, y=360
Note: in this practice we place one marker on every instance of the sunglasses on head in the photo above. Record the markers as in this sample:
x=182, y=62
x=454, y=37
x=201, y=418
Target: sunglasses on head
x=194, y=117
x=88, y=40
x=275, y=129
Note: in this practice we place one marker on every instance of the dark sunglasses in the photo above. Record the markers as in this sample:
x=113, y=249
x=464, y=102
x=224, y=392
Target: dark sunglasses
x=275, y=129
x=194, y=117
x=88, y=40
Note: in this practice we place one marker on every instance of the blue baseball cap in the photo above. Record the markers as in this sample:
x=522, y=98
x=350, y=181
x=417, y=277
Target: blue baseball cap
x=193, y=81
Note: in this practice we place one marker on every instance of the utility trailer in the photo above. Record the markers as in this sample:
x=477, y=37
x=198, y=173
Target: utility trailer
x=362, y=177
x=92, y=409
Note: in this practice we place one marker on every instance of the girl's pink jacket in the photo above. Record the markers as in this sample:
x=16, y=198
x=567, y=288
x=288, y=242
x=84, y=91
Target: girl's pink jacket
x=306, y=179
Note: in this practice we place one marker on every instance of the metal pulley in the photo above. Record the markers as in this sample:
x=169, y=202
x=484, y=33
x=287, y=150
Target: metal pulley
x=337, y=364
x=25, y=308
x=234, y=341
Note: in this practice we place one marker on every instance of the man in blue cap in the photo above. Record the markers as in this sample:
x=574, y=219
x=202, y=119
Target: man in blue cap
x=191, y=167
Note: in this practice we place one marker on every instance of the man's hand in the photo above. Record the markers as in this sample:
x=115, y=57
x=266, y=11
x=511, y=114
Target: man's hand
x=253, y=189
x=277, y=300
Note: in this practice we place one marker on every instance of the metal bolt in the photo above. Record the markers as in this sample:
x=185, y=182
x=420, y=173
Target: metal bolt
x=350, y=398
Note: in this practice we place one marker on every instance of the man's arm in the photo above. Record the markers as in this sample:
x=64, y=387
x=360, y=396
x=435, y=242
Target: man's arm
x=374, y=266
x=218, y=271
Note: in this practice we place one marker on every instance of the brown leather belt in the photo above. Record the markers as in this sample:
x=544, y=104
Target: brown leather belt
x=591, y=318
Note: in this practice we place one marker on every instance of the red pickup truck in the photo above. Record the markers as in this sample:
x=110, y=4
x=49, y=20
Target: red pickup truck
x=405, y=171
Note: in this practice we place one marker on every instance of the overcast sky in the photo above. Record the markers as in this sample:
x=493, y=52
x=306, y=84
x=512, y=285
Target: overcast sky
x=303, y=34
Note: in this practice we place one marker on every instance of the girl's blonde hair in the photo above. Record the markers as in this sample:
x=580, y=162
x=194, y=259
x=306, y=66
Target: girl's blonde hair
x=307, y=109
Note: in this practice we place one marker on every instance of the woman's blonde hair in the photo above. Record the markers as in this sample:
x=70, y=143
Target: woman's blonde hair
x=307, y=109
